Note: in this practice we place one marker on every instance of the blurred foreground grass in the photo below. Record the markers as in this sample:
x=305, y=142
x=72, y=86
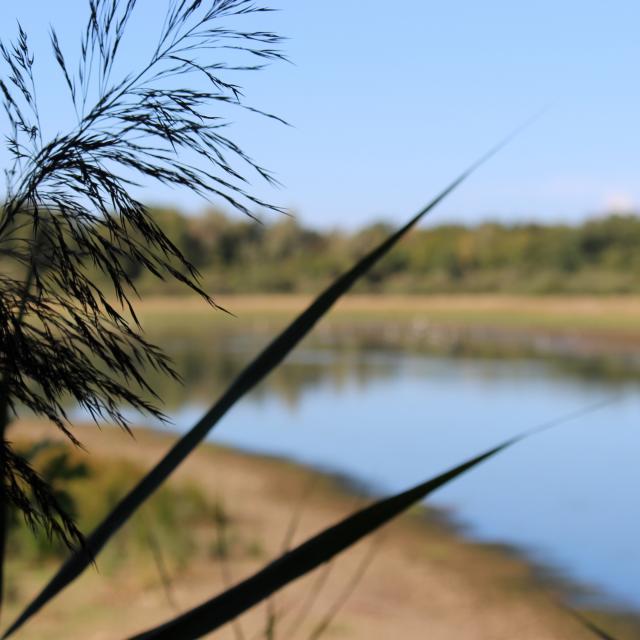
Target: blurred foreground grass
x=224, y=514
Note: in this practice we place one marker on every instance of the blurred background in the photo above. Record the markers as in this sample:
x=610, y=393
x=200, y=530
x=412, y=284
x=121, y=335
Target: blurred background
x=515, y=304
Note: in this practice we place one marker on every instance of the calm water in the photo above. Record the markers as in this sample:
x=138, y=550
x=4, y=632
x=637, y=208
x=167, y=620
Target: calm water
x=568, y=497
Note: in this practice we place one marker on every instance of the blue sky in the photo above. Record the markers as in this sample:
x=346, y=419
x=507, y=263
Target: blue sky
x=389, y=101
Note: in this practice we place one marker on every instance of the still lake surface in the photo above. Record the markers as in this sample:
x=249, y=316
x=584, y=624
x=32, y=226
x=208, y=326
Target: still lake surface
x=567, y=498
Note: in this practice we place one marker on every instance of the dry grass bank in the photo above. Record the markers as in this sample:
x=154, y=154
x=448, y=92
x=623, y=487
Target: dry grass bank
x=424, y=581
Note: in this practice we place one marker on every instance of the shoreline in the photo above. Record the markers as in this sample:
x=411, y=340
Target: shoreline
x=450, y=521
x=584, y=328
x=474, y=568
x=544, y=574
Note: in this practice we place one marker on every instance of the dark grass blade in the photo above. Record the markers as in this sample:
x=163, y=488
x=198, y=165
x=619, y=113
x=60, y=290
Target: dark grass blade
x=249, y=378
x=364, y=564
x=292, y=528
x=221, y=609
x=222, y=542
x=161, y=567
x=595, y=630
x=586, y=623
x=309, y=601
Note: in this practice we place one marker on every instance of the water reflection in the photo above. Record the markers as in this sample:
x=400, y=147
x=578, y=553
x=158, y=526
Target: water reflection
x=208, y=361
x=391, y=417
x=207, y=367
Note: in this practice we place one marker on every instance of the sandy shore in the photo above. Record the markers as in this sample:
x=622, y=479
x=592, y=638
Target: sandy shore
x=424, y=580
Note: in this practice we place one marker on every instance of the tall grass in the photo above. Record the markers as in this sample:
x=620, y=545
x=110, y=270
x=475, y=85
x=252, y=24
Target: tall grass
x=234, y=601
x=74, y=162
x=263, y=364
x=69, y=212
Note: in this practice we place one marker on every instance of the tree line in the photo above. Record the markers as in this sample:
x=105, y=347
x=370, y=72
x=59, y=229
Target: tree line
x=240, y=255
x=243, y=256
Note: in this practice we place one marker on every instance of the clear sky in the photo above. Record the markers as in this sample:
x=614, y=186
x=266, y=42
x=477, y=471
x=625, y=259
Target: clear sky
x=389, y=100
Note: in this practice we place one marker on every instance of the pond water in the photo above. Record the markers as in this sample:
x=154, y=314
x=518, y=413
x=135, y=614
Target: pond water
x=568, y=497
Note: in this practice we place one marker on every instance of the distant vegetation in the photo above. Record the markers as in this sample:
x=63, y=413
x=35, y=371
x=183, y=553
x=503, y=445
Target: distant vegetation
x=243, y=256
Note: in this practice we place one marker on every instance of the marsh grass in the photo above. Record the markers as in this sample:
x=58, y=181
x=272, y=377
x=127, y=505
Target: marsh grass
x=69, y=213
x=66, y=190
x=307, y=556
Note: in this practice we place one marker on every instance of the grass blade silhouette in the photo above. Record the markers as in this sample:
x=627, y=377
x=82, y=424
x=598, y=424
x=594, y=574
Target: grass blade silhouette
x=310, y=599
x=364, y=564
x=256, y=371
x=272, y=617
x=221, y=609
